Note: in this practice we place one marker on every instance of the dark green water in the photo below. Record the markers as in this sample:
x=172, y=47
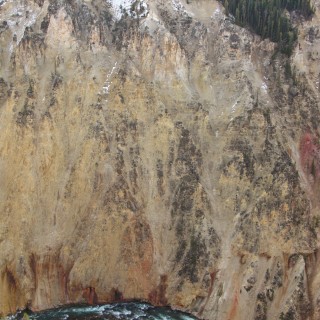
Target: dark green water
x=117, y=311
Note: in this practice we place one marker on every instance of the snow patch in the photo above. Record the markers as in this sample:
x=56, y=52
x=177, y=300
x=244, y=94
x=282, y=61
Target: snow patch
x=108, y=82
x=177, y=5
x=19, y=16
x=219, y=15
x=180, y=8
x=122, y=6
x=119, y=6
x=264, y=87
x=233, y=108
x=217, y=12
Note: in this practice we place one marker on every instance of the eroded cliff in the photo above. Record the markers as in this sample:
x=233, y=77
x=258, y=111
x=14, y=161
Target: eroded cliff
x=157, y=151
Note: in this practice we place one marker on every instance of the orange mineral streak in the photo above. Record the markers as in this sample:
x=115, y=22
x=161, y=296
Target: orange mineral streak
x=234, y=307
x=50, y=280
x=12, y=297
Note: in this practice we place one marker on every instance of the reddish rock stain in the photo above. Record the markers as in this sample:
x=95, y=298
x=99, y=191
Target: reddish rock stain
x=89, y=294
x=213, y=276
x=310, y=156
x=158, y=295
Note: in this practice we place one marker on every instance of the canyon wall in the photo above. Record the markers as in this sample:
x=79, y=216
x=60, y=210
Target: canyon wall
x=157, y=151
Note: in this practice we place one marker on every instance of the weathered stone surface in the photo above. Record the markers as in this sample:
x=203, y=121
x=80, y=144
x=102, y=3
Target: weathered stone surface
x=162, y=154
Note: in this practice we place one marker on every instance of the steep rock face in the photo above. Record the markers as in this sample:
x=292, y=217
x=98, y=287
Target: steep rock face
x=157, y=152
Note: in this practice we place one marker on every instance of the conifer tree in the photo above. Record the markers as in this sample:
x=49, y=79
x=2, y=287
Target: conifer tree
x=267, y=18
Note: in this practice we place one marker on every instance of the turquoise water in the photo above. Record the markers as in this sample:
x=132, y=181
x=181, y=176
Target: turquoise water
x=117, y=311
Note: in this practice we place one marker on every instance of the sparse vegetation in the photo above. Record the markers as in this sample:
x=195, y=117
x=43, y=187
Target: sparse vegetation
x=30, y=91
x=56, y=80
x=26, y=316
x=26, y=115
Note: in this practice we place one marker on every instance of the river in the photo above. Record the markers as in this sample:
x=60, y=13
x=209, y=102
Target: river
x=117, y=311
